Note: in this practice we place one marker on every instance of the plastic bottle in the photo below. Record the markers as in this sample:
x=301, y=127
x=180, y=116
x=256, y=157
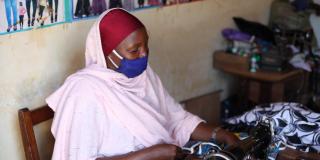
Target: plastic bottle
x=253, y=64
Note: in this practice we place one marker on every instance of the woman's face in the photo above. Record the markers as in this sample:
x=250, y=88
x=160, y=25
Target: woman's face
x=133, y=47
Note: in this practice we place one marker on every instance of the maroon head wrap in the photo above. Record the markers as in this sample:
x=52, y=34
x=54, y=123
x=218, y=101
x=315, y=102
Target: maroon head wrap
x=115, y=26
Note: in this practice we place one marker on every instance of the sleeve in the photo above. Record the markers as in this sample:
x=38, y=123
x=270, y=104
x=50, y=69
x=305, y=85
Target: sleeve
x=182, y=123
x=80, y=129
x=86, y=132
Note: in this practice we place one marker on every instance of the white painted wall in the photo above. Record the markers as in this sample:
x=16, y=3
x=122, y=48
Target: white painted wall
x=182, y=38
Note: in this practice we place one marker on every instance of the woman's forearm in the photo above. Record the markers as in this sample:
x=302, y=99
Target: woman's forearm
x=204, y=132
x=157, y=152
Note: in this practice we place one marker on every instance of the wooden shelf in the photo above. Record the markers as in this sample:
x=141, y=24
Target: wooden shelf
x=239, y=66
x=258, y=87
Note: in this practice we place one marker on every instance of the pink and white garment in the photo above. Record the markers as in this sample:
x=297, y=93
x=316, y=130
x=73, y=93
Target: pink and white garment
x=100, y=112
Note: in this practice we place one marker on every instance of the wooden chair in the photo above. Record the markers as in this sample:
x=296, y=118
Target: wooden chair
x=27, y=120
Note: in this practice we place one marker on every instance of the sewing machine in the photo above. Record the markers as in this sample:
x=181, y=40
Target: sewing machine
x=252, y=147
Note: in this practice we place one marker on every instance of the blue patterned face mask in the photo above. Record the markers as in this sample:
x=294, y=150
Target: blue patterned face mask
x=130, y=68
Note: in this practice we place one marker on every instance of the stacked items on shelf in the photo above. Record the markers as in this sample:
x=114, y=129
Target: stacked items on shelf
x=289, y=39
x=292, y=37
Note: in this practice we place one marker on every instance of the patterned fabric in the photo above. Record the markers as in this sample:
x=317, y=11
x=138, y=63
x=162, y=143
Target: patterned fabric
x=201, y=148
x=292, y=124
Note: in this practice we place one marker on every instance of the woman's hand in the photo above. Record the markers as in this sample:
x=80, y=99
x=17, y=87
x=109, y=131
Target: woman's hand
x=227, y=137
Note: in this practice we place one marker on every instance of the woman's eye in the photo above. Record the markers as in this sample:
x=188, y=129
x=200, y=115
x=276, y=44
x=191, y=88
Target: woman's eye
x=133, y=51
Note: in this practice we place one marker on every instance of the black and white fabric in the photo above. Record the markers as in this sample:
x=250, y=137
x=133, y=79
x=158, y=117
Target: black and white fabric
x=293, y=125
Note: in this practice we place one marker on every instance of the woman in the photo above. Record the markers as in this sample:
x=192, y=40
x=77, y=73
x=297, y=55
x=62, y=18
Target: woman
x=116, y=107
x=34, y=10
x=53, y=11
x=128, y=5
x=11, y=9
x=141, y=3
x=82, y=9
x=98, y=6
x=115, y=4
x=42, y=6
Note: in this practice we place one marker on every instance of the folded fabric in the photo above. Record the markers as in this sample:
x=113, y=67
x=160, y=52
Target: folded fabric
x=298, y=61
x=235, y=35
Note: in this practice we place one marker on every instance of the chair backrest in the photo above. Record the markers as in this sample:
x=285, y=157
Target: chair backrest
x=27, y=120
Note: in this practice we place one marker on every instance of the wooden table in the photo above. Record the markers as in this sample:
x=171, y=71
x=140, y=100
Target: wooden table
x=260, y=86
